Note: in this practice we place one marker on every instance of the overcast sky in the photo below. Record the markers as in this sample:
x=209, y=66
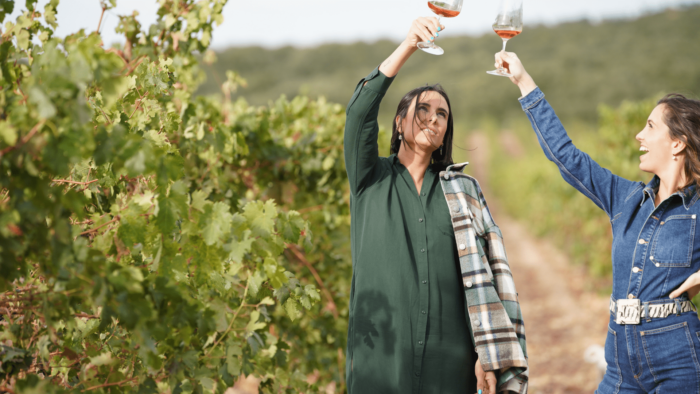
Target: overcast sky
x=275, y=23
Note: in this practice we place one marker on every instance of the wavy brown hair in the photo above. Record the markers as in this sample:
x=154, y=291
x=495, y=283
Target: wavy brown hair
x=437, y=159
x=682, y=116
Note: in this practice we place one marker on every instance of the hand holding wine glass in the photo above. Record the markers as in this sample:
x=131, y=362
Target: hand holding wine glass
x=517, y=73
x=508, y=24
x=444, y=8
x=423, y=29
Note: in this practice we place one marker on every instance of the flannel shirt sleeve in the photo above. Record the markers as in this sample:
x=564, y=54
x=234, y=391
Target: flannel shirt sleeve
x=513, y=379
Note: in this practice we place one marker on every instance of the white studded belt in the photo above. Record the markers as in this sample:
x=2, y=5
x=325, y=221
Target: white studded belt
x=631, y=311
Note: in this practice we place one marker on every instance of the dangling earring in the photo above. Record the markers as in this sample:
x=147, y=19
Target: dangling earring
x=675, y=158
x=400, y=137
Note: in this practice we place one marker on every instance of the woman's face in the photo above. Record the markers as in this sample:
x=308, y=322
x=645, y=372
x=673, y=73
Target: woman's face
x=656, y=141
x=426, y=131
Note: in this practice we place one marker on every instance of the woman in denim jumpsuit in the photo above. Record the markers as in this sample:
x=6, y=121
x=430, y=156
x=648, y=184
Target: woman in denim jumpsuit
x=656, y=241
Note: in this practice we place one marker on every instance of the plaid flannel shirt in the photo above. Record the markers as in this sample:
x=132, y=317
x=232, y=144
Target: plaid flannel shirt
x=497, y=325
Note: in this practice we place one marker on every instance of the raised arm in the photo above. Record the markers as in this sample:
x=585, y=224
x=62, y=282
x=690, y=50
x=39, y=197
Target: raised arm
x=576, y=167
x=361, y=127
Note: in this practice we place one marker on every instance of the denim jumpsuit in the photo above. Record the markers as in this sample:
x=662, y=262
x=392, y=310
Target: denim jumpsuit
x=655, y=249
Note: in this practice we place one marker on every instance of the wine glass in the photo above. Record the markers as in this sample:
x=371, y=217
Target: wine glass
x=508, y=24
x=446, y=8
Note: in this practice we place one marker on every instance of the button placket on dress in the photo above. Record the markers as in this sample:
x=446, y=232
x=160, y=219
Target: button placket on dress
x=643, y=249
x=424, y=290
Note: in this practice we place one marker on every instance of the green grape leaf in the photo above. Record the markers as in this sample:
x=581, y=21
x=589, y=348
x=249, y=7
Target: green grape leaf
x=49, y=13
x=233, y=362
x=253, y=324
x=6, y=8
x=292, y=309
x=102, y=359
x=199, y=200
x=238, y=248
x=255, y=280
x=312, y=292
x=8, y=133
x=290, y=226
x=171, y=207
x=275, y=273
x=261, y=217
x=216, y=223
x=45, y=107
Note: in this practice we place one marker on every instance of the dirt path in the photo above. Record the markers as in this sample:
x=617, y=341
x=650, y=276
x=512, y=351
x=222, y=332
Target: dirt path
x=562, y=317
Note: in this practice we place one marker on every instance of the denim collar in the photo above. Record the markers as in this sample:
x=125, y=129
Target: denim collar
x=688, y=195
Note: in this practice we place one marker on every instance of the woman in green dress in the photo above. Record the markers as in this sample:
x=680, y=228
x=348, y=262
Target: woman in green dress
x=408, y=330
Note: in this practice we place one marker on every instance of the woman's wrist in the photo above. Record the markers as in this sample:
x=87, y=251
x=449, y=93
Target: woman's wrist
x=391, y=66
x=408, y=46
x=526, y=85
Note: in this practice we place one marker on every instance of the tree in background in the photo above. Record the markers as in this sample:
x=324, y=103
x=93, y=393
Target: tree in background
x=156, y=242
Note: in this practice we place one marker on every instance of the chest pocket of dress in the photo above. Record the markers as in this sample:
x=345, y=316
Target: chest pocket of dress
x=673, y=242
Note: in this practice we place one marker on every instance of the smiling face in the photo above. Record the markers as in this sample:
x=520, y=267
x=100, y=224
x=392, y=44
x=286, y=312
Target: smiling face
x=425, y=125
x=657, y=144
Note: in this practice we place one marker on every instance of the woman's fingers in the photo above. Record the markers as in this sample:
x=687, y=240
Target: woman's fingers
x=480, y=376
x=435, y=26
x=419, y=32
x=691, y=285
x=432, y=24
x=427, y=34
x=491, y=380
x=424, y=29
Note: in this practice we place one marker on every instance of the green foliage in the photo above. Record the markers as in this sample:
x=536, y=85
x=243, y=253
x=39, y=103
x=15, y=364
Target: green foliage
x=152, y=241
x=549, y=205
x=578, y=65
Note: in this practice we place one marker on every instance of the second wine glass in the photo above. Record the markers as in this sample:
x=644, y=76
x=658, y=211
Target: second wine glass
x=508, y=24
x=446, y=8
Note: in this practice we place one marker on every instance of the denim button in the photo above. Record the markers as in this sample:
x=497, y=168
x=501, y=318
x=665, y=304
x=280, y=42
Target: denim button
x=630, y=296
x=658, y=265
x=642, y=242
x=693, y=216
x=635, y=269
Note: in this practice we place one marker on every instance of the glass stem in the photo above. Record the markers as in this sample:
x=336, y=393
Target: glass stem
x=505, y=41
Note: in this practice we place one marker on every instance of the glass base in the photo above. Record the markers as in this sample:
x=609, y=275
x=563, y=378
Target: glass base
x=430, y=48
x=501, y=72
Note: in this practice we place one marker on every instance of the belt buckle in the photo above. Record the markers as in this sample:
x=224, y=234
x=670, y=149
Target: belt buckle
x=628, y=311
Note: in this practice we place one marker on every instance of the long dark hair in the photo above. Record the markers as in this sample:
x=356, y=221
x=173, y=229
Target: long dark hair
x=437, y=159
x=682, y=116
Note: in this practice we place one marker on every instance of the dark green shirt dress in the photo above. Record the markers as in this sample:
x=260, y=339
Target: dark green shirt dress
x=408, y=330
